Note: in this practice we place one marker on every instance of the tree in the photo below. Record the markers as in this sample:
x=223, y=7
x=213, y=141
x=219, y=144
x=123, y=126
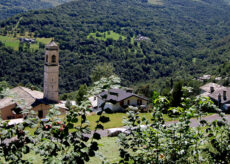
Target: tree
x=177, y=94
x=20, y=48
x=81, y=93
x=177, y=142
x=3, y=85
x=68, y=104
x=145, y=90
x=102, y=70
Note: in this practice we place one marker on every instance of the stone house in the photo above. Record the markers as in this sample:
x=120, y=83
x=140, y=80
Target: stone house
x=209, y=88
x=219, y=94
x=221, y=98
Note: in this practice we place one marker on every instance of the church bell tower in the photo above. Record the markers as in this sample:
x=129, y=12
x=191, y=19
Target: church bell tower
x=51, y=72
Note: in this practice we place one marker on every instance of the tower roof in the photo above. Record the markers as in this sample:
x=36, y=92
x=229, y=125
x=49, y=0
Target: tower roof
x=52, y=46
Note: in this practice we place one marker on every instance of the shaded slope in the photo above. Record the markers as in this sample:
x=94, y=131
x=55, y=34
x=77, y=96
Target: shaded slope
x=180, y=30
x=9, y=8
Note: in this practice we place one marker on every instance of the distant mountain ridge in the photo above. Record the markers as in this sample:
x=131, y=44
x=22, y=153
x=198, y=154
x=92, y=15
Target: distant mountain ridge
x=9, y=8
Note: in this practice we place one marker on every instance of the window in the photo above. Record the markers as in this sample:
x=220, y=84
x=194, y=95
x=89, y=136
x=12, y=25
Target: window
x=40, y=113
x=46, y=58
x=94, y=98
x=122, y=103
x=53, y=59
x=139, y=102
x=128, y=102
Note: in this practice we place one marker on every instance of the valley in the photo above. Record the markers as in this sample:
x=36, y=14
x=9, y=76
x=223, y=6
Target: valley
x=181, y=33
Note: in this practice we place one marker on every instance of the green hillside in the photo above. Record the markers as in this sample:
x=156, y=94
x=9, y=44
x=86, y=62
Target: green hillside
x=9, y=8
x=181, y=33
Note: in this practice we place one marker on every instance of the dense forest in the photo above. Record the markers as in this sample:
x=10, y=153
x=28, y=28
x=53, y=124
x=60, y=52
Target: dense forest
x=9, y=8
x=187, y=38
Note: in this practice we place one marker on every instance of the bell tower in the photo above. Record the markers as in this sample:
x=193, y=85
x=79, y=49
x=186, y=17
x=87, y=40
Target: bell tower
x=51, y=72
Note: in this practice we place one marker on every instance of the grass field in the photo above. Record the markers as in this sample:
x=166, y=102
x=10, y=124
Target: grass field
x=13, y=42
x=10, y=41
x=116, y=119
x=105, y=35
x=41, y=40
x=109, y=148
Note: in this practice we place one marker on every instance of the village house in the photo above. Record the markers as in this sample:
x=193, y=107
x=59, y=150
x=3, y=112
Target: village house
x=38, y=101
x=204, y=78
x=220, y=95
x=141, y=38
x=209, y=88
x=118, y=100
x=27, y=40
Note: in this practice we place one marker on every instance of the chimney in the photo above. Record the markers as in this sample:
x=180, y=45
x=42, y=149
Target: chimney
x=219, y=100
x=212, y=89
x=129, y=90
x=225, y=95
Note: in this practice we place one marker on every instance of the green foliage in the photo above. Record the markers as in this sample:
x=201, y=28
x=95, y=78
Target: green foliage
x=81, y=93
x=3, y=85
x=68, y=104
x=55, y=140
x=9, y=8
x=178, y=36
x=106, y=35
x=14, y=43
x=177, y=94
x=102, y=70
x=10, y=42
x=145, y=90
x=177, y=142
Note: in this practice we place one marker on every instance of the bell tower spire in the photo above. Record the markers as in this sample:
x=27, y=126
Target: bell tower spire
x=51, y=72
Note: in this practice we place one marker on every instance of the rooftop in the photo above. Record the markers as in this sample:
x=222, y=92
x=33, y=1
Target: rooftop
x=205, y=77
x=28, y=95
x=118, y=95
x=207, y=87
x=52, y=46
x=220, y=92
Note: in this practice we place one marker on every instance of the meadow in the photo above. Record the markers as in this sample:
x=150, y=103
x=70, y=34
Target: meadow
x=13, y=41
x=106, y=35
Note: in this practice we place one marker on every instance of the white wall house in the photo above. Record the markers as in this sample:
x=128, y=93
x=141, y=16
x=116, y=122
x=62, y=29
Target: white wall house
x=117, y=100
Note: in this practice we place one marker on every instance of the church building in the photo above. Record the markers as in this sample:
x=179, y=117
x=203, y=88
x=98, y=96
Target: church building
x=11, y=107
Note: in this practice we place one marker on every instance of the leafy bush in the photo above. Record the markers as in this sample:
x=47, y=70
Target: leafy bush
x=178, y=142
x=55, y=139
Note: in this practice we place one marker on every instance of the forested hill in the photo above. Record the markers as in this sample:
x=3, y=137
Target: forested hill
x=9, y=8
x=91, y=32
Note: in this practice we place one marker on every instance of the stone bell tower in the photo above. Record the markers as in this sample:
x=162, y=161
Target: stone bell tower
x=51, y=72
